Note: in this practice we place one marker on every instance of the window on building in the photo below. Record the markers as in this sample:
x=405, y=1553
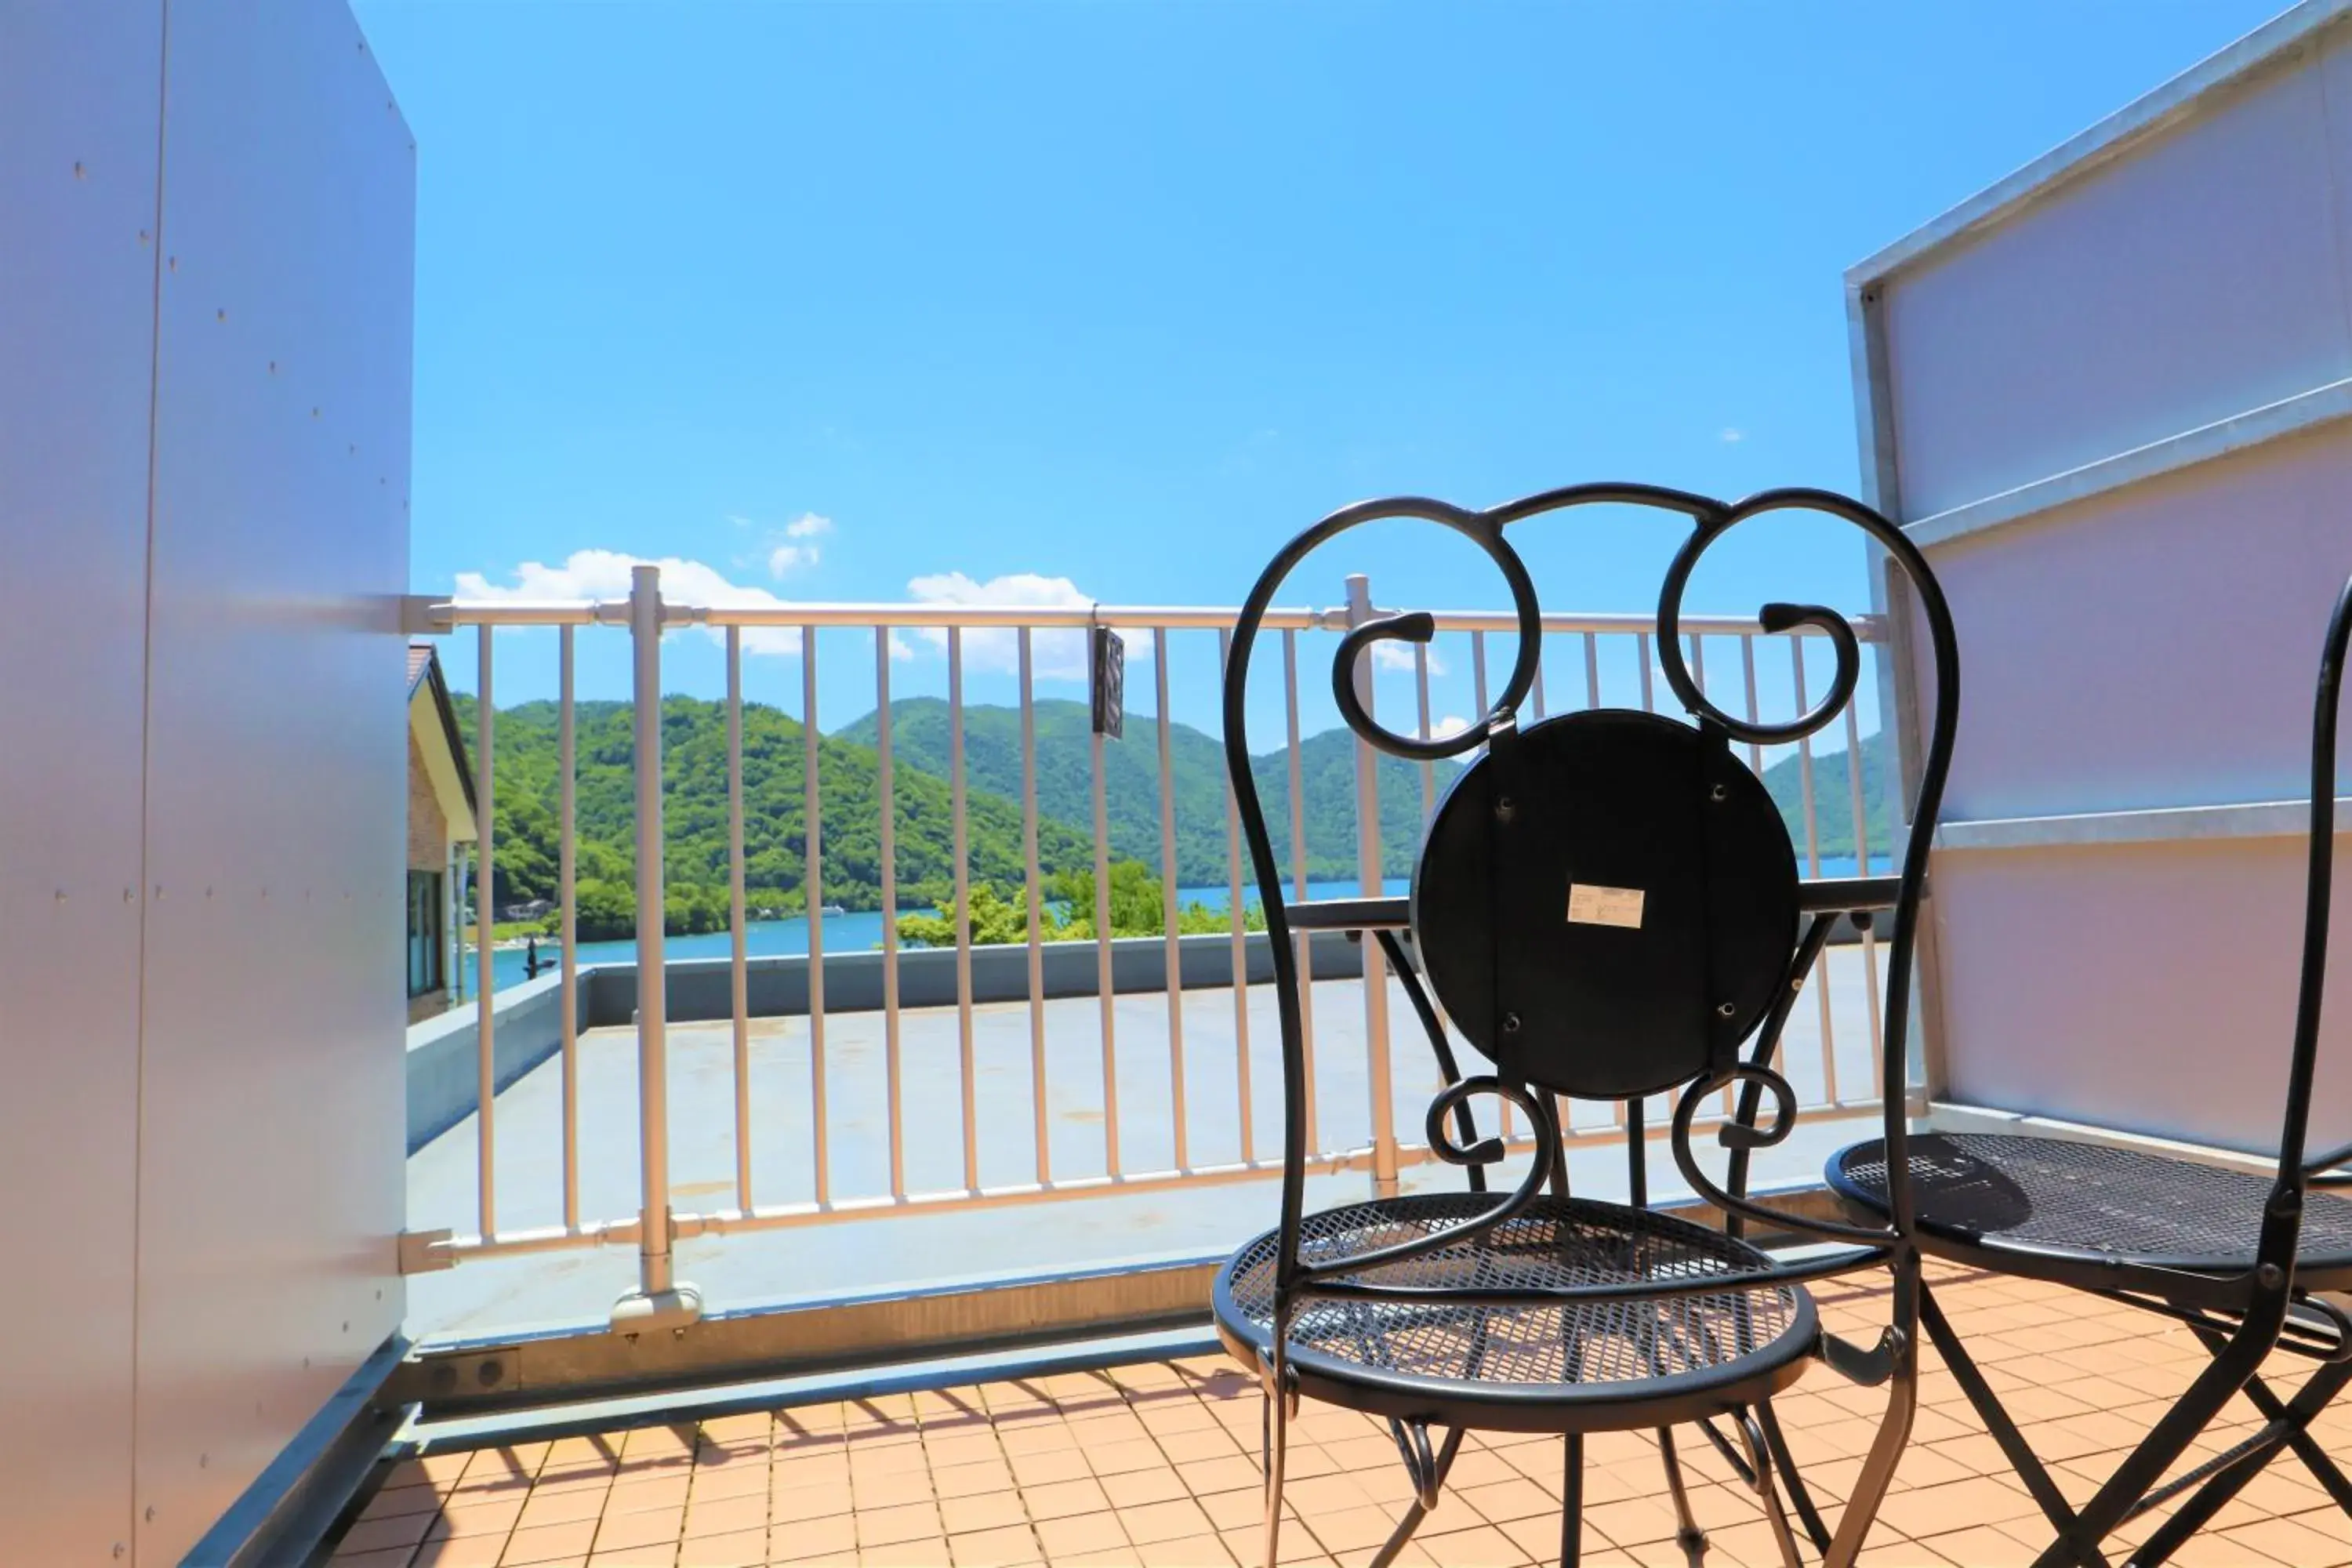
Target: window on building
x=425, y=932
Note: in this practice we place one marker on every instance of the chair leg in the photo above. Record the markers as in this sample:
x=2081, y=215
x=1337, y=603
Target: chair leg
x=1989, y=1410
x=1870, y=1487
x=1572, y=1500
x=1274, y=1443
x=1426, y=1487
x=2191, y=1415
x=2288, y=1426
x=1687, y=1535
x=1785, y=1465
x=1760, y=1460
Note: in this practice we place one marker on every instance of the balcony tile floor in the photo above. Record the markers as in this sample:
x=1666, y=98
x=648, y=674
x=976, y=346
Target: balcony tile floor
x=1156, y=1465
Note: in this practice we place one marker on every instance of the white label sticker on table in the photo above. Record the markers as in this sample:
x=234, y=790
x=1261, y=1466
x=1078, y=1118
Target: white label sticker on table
x=1592, y=905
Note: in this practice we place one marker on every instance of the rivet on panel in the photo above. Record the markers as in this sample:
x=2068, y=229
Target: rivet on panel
x=170, y=264
x=80, y=172
x=220, y=315
x=273, y=367
x=61, y=894
x=128, y=894
x=203, y=1461
x=314, y=414
x=146, y=238
x=151, y=1513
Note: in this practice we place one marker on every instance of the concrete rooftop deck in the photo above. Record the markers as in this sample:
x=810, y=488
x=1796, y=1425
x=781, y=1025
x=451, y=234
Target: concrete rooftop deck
x=1156, y=1464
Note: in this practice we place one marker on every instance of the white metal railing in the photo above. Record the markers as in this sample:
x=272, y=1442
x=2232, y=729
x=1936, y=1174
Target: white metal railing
x=657, y=1226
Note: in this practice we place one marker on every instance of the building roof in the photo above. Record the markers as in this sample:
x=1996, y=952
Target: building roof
x=424, y=670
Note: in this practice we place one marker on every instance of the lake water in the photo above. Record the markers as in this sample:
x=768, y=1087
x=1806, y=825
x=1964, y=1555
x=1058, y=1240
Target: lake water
x=861, y=931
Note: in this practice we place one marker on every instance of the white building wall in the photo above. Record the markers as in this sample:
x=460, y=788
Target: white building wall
x=203, y=473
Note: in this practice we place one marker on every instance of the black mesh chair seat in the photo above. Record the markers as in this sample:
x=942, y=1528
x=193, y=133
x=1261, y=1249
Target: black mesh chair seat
x=2089, y=1203
x=1546, y=1368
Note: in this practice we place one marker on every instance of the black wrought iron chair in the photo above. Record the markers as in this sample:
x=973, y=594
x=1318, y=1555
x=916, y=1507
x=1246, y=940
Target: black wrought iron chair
x=1606, y=906
x=2250, y=1263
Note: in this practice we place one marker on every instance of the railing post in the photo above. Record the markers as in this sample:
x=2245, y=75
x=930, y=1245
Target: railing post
x=660, y=1300
x=1372, y=873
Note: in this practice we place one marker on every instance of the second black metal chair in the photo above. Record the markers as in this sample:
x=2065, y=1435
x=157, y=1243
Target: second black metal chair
x=2252, y=1263
x=1606, y=906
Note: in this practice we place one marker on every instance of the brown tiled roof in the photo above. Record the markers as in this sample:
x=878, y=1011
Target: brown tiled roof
x=420, y=660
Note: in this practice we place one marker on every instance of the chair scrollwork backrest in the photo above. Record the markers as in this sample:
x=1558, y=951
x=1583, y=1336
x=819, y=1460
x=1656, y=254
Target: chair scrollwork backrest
x=1606, y=904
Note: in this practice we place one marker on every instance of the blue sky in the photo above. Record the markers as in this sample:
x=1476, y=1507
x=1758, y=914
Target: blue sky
x=866, y=302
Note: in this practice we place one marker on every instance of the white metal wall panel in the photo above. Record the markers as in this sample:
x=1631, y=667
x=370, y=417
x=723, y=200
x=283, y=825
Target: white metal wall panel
x=2154, y=647
x=2109, y=397
x=270, y=1182
x=77, y=128
x=2188, y=281
x=2149, y=987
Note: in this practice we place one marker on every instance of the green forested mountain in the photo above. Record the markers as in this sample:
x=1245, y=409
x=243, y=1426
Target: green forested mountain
x=1834, y=799
x=695, y=805
x=992, y=742
x=694, y=816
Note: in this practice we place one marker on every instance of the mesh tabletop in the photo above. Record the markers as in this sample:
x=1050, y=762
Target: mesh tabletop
x=1578, y=1349
x=2091, y=1201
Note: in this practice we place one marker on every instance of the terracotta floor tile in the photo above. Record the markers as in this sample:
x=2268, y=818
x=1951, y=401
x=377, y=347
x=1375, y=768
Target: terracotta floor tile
x=1043, y=1467
x=1481, y=1546
x=967, y=1480
x=386, y=1557
x=395, y=1501
x=893, y=1491
x=640, y=1494
x=1079, y=1534
x=832, y=1539
x=566, y=1543
x=1982, y=1546
x=635, y=1532
x=746, y=1477
x=1205, y=1443
x=1169, y=1520
x=981, y=1511
x=1131, y=1489
x=1064, y=1499
x=931, y=1553
x=460, y=1552
x=2293, y=1541
x=725, y=1516
x=380, y=1534
x=490, y=1516
x=1111, y=1458
x=793, y=1504
x=1191, y=1551
x=890, y=1526
x=1204, y=1476
x=1008, y=1546
x=738, y=1549
x=1352, y=1530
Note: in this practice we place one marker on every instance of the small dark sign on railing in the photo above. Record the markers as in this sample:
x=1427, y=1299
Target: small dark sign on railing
x=1108, y=664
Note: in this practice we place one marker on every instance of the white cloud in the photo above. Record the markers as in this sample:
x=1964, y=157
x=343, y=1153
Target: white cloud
x=605, y=574
x=1056, y=655
x=1392, y=655
x=1451, y=724
x=808, y=525
x=1731, y=434
x=786, y=559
